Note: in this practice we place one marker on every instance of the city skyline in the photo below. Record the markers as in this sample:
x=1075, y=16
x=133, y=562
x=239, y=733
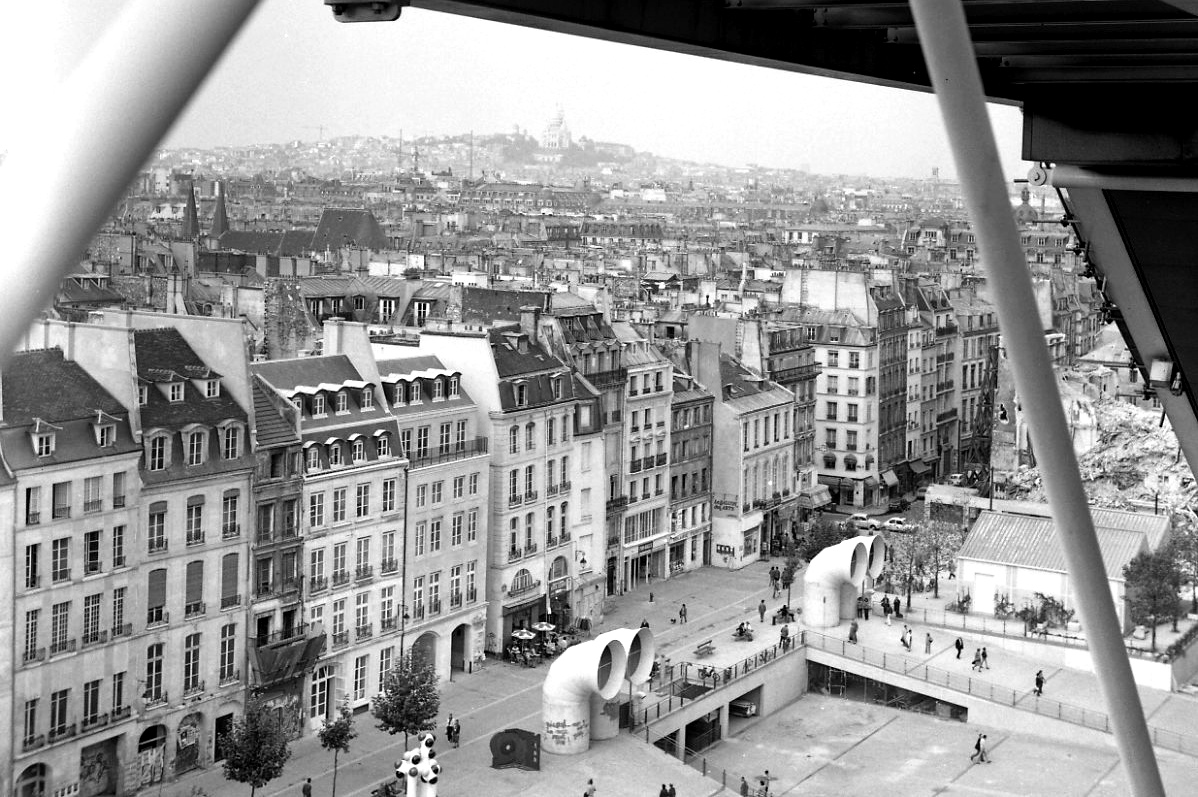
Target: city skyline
x=295, y=73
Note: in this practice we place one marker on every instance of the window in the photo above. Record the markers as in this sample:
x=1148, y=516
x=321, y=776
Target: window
x=434, y=535
x=529, y=530
x=362, y=500
x=850, y=440
x=342, y=402
x=854, y=359
x=382, y=445
x=833, y=384
x=438, y=390
x=318, y=405
x=143, y=395
x=472, y=525
x=339, y=505
x=31, y=726
x=444, y=438
x=414, y=394
x=231, y=442
x=405, y=442
x=59, y=702
x=832, y=408
x=421, y=495
x=33, y=576
x=92, y=500
x=60, y=559
x=91, y=553
x=313, y=459
x=335, y=454
x=418, y=543
x=455, y=529
x=361, y=665
x=118, y=611
x=33, y=501
x=470, y=576
x=438, y=492
x=157, y=452
x=153, y=691
x=316, y=510
x=91, y=701
x=513, y=484
x=212, y=388
x=362, y=614
x=228, y=652
x=555, y=387
x=191, y=663
x=513, y=436
x=62, y=500
x=549, y=519
x=833, y=358
x=118, y=690
x=521, y=395
x=388, y=540
x=473, y=488
x=195, y=522
x=830, y=438
x=388, y=495
x=175, y=392
x=362, y=552
x=195, y=447
x=228, y=514
x=60, y=626
x=459, y=437
x=422, y=441
x=551, y=432
x=459, y=487
x=386, y=662
x=32, y=619
x=387, y=607
x=367, y=399
x=852, y=417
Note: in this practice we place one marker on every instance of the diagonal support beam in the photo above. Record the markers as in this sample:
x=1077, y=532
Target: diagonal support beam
x=947, y=48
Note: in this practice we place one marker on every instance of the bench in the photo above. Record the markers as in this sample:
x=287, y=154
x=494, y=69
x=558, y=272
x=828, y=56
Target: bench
x=705, y=649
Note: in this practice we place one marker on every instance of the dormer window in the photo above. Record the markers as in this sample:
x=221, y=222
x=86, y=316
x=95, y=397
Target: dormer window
x=438, y=390
x=358, y=453
x=453, y=387
x=196, y=446
x=143, y=395
x=231, y=442
x=382, y=445
x=211, y=388
x=521, y=395
x=43, y=444
x=414, y=394
x=367, y=399
x=175, y=392
x=313, y=459
x=298, y=402
x=401, y=394
x=334, y=455
x=106, y=435
x=555, y=386
x=342, y=402
x=157, y=459
x=318, y=406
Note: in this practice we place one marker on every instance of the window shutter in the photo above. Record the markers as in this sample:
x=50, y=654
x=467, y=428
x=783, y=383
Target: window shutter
x=228, y=576
x=156, y=593
x=195, y=581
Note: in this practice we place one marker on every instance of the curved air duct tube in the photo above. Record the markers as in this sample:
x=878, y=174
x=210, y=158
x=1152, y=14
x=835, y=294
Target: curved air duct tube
x=594, y=667
x=834, y=579
x=640, y=650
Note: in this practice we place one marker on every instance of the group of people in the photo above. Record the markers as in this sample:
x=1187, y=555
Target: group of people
x=889, y=607
x=667, y=791
x=776, y=580
x=453, y=731
x=744, y=631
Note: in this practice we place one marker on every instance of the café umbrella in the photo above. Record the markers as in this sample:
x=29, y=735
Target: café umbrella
x=523, y=634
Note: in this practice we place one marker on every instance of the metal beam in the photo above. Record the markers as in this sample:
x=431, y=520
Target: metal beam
x=67, y=173
x=952, y=65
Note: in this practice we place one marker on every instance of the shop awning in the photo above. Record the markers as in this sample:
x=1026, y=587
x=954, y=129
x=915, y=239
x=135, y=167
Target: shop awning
x=830, y=481
x=871, y=483
x=815, y=496
x=890, y=478
x=919, y=467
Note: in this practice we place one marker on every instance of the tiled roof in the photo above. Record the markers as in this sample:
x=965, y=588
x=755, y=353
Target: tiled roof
x=273, y=429
x=340, y=227
x=286, y=375
x=1031, y=541
x=41, y=384
x=489, y=306
x=164, y=356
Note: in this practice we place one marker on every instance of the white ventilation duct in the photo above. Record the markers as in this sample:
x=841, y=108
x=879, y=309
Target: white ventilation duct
x=590, y=668
x=639, y=651
x=834, y=578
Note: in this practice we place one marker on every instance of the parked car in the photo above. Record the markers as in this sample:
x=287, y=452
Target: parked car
x=897, y=524
x=898, y=505
x=743, y=708
x=921, y=493
x=956, y=479
x=863, y=522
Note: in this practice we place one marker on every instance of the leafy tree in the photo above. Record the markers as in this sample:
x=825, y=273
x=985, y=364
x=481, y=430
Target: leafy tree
x=940, y=541
x=907, y=557
x=822, y=533
x=1185, y=542
x=1152, y=583
x=409, y=701
x=336, y=736
x=256, y=747
x=790, y=566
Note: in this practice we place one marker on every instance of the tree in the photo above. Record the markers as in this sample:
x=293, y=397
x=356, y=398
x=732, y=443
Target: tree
x=336, y=736
x=822, y=533
x=907, y=558
x=1185, y=542
x=256, y=747
x=790, y=567
x=409, y=701
x=941, y=540
x=1152, y=579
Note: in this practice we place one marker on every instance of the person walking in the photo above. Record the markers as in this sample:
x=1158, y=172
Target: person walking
x=682, y=613
x=865, y=606
x=744, y=787
x=960, y=646
x=664, y=791
x=886, y=608
x=903, y=637
x=977, y=661
x=927, y=643
x=672, y=791
x=590, y=789
x=784, y=635
x=306, y=789
x=985, y=661
x=449, y=729
x=977, y=750
x=898, y=615
x=1039, y=683
x=457, y=732
x=761, y=610
x=983, y=753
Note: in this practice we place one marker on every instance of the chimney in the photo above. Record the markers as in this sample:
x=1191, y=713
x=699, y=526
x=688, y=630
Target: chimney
x=529, y=316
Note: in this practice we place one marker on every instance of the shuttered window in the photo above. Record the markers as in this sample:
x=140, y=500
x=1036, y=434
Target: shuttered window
x=228, y=576
x=195, y=581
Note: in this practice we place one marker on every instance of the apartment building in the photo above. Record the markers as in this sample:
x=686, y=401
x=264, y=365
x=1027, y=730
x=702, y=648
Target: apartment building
x=353, y=480
x=892, y=386
x=691, y=446
x=73, y=572
x=443, y=554
x=544, y=467
x=978, y=326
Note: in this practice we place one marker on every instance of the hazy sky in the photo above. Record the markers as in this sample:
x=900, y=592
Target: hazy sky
x=294, y=69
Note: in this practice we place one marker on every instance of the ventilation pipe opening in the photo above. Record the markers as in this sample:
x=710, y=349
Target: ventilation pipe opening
x=639, y=651
x=834, y=578
x=597, y=667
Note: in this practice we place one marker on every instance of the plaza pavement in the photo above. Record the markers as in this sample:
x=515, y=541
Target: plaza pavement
x=817, y=745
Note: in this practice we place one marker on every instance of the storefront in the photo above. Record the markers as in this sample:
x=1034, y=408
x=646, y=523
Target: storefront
x=891, y=480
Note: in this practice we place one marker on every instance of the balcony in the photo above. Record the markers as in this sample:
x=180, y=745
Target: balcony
x=195, y=538
x=33, y=518
x=157, y=616
x=514, y=500
x=388, y=566
x=118, y=714
x=611, y=378
x=230, y=678
x=514, y=554
x=471, y=595
x=551, y=542
x=455, y=600
x=194, y=609
x=796, y=374
x=364, y=631
x=289, y=531
x=194, y=690
x=388, y=624
x=530, y=549
x=949, y=415
x=550, y=490
x=94, y=505
x=125, y=629
x=60, y=733
x=662, y=459
x=469, y=448
x=434, y=606
x=523, y=589
x=615, y=416
x=648, y=462
x=417, y=612
x=616, y=504
x=64, y=646
x=229, y=601
x=530, y=496
x=118, y=501
x=264, y=589
x=565, y=536
x=33, y=742
x=156, y=545
x=96, y=721
x=285, y=634
x=33, y=581
x=635, y=466
x=340, y=639
x=946, y=330
x=317, y=584
x=60, y=575
x=340, y=577
x=155, y=699
x=230, y=531
x=363, y=572
x=292, y=586
x=30, y=656
x=60, y=512
x=94, y=638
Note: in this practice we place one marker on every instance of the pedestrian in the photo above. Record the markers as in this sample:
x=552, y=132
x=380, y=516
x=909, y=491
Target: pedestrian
x=682, y=613
x=761, y=610
x=985, y=662
x=784, y=635
x=1039, y=683
x=853, y=632
x=898, y=615
x=977, y=749
x=886, y=608
x=306, y=790
x=960, y=646
x=664, y=791
x=977, y=661
x=866, y=605
x=644, y=623
x=903, y=638
x=590, y=789
x=457, y=733
x=672, y=791
x=744, y=787
x=860, y=606
x=927, y=643
x=765, y=783
x=449, y=729
x=983, y=753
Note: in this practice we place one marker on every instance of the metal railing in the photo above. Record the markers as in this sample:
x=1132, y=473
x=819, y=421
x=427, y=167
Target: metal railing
x=468, y=448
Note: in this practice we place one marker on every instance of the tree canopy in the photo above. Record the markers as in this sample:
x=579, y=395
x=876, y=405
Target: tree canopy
x=1152, y=583
x=823, y=532
x=409, y=701
x=336, y=736
x=256, y=747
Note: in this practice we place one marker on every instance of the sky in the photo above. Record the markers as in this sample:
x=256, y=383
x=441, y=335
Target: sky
x=294, y=71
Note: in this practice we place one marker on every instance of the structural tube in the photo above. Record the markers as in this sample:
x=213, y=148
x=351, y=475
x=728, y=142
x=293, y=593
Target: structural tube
x=952, y=65
x=103, y=122
x=639, y=651
x=594, y=667
x=831, y=581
